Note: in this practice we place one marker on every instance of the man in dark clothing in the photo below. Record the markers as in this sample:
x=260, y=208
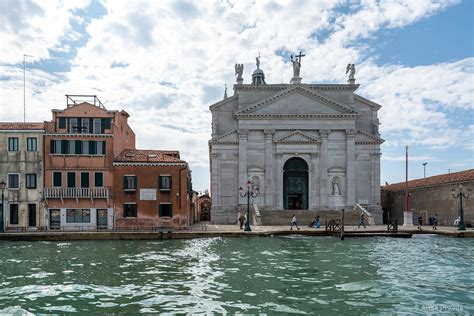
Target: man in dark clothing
x=241, y=220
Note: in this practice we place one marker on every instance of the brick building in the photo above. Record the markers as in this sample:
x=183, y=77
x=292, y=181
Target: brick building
x=152, y=189
x=21, y=168
x=429, y=196
x=80, y=144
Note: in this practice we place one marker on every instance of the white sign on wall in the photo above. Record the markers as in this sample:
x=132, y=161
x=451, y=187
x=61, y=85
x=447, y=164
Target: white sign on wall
x=148, y=194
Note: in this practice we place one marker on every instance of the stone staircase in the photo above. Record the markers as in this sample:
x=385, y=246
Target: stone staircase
x=305, y=217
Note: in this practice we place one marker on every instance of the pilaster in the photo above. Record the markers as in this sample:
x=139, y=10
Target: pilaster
x=243, y=176
x=350, y=167
x=279, y=177
x=323, y=169
x=269, y=182
x=313, y=194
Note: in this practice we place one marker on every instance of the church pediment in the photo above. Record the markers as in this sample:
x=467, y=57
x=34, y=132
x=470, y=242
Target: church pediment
x=297, y=137
x=229, y=138
x=366, y=138
x=298, y=101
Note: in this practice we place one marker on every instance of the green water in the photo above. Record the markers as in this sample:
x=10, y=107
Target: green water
x=284, y=275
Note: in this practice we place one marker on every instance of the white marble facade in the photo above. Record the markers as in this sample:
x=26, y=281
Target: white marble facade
x=262, y=126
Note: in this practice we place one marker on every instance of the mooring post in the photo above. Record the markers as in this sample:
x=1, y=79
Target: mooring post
x=342, y=224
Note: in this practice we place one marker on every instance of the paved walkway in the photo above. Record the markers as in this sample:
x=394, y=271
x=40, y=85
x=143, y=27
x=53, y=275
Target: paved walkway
x=442, y=230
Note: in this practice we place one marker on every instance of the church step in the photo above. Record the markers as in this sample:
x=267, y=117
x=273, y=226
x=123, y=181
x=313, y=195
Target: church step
x=305, y=217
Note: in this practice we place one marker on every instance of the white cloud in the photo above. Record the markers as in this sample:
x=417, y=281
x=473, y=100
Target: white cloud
x=175, y=57
x=34, y=27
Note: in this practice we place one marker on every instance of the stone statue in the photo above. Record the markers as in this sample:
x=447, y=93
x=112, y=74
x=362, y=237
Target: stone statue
x=351, y=70
x=335, y=188
x=258, y=61
x=296, y=64
x=239, y=70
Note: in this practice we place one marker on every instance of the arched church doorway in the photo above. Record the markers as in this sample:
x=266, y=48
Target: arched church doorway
x=295, y=184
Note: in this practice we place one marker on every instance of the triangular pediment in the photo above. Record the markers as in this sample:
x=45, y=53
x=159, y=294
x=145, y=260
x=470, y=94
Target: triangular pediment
x=228, y=138
x=296, y=137
x=298, y=100
x=366, y=138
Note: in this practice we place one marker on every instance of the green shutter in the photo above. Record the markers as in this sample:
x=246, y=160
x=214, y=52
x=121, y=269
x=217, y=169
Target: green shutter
x=64, y=145
x=105, y=122
x=171, y=210
x=161, y=210
x=52, y=146
x=78, y=147
x=62, y=122
x=103, y=148
x=135, y=182
x=92, y=147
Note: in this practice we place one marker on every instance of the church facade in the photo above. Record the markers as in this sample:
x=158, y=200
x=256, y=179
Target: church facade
x=312, y=147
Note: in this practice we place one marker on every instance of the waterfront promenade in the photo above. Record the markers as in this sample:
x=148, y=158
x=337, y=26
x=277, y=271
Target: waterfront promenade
x=205, y=230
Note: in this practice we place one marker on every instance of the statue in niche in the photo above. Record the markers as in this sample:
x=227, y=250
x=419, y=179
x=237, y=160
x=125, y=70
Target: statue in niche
x=335, y=188
x=255, y=182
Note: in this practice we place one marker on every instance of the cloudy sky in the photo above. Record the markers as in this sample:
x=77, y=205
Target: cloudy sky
x=166, y=62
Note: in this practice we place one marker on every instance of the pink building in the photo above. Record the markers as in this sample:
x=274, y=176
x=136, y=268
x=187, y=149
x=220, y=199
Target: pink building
x=80, y=144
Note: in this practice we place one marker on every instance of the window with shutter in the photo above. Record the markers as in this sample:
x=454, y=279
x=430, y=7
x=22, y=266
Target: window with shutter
x=165, y=183
x=57, y=179
x=62, y=122
x=166, y=210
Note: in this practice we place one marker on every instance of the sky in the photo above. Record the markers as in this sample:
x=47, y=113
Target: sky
x=165, y=62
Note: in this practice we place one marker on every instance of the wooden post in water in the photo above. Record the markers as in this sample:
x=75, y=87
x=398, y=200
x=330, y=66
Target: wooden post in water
x=342, y=224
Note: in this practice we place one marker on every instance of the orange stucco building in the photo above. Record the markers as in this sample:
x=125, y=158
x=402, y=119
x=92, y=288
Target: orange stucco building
x=152, y=189
x=80, y=143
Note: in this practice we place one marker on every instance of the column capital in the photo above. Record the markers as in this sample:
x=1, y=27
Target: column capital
x=243, y=133
x=269, y=133
x=350, y=133
x=324, y=133
x=314, y=155
x=215, y=155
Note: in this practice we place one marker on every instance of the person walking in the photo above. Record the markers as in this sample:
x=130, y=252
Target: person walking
x=241, y=220
x=294, y=223
x=420, y=221
x=361, y=222
x=435, y=221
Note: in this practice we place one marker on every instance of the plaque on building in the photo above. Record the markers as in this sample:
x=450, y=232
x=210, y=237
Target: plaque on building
x=148, y=194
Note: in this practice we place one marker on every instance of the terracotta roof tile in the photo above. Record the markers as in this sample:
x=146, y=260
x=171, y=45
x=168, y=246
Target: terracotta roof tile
x=454, y=177
x=142, y=155
x=21, y=126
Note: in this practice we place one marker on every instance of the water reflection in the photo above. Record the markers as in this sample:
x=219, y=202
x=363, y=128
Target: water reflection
x=245, y=275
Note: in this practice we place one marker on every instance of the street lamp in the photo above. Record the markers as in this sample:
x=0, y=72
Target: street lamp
x=2, y=226
x=252, y=191
x=461, y=195
x=424, y=169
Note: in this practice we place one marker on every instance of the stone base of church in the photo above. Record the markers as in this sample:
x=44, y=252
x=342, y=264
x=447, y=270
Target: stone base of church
x=305, y=217
x=224, y=215
x=229, y=216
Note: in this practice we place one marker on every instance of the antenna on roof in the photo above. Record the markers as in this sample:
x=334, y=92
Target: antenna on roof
x=24, y=86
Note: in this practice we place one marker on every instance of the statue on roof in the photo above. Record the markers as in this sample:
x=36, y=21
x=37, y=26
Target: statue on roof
x=296, y=64
x=351, y=70
x=239, y=70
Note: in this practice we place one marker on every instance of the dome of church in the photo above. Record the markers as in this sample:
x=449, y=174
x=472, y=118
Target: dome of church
x=258, y=77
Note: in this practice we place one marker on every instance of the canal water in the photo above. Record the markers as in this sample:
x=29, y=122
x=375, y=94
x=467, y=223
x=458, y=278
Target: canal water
x=269, y=275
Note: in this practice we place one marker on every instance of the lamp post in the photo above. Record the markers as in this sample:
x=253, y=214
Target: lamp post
x=2, y=226
x=252, y=191
x=461, y=195
x=424, y=169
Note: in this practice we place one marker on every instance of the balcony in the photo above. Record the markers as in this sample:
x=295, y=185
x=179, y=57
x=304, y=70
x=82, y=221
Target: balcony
x=76, y=193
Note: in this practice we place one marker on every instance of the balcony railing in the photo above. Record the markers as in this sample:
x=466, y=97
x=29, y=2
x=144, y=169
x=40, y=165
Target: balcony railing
x=76, y=193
